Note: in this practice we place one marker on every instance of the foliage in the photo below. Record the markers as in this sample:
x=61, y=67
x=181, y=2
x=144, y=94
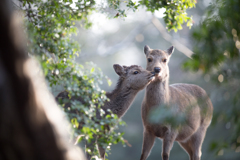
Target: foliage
x=50, y=25
x=175, y=10
x=164, y=114
x=216, y=51
x=175, y=14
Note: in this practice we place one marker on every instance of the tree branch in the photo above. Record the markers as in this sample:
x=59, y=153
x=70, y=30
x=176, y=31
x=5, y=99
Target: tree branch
x=179, y=46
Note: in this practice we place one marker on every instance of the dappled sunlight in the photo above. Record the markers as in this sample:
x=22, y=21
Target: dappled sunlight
x=46, y=104
x=64, y=35
x=99, y=24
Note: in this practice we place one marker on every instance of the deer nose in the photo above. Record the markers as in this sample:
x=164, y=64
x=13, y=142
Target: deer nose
x=157, y=69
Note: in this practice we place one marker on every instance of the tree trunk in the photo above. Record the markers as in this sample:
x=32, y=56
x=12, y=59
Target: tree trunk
x=31, y=124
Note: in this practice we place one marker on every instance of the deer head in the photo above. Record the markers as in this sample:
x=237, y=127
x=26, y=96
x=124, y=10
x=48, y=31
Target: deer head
x=157, y=61
x=133, y=77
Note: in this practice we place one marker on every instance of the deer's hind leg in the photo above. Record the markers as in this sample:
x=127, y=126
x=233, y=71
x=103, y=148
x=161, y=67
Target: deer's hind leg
x=196, y=142
x=186, y=146
x=194, y=145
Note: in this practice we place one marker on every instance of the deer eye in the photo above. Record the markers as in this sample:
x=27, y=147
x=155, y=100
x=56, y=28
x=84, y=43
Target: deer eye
x=136, y=72
x=165, y=60
x=149, y=60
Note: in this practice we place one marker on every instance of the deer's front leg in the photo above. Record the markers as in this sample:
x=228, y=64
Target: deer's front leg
x=148, y=140
x=89, y=147
x=168, y=141
x=101, y=151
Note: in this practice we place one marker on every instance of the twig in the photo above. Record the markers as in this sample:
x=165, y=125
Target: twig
x=129, y=145
x=179, y=46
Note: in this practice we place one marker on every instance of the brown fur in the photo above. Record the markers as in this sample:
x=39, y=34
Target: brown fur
x=121, y=98
x=187, y=99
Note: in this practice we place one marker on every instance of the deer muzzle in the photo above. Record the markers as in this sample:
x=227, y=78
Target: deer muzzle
x=157, y=70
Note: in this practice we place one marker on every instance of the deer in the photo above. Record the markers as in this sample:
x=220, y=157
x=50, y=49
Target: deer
x=131, y=80
x=188, y=99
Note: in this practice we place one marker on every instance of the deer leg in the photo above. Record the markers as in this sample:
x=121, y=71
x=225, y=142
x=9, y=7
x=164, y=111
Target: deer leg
x=187, y=148
x=168, y=141
x=196, y=143
x=101, y=151
x=89, y=148
x=148, y=140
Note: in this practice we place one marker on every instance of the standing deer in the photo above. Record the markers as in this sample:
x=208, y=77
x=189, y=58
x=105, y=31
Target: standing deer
x=187, y=99
x=131, y=80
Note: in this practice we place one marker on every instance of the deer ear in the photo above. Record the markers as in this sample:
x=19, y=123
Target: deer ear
x=170, y=50
x=146, y=49
x=118, y=69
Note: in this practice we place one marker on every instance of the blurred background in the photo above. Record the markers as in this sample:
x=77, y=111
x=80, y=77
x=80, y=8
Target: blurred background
x=213, y=37
x=121, y=41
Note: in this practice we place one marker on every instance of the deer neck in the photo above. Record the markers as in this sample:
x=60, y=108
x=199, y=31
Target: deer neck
x=121, y=99
x=158, y=93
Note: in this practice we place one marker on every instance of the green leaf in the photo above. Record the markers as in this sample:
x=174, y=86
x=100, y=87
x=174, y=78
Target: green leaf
x=109, y=82
x=92, y=70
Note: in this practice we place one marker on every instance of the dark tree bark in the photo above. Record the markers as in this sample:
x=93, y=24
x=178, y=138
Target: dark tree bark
x=31, y=124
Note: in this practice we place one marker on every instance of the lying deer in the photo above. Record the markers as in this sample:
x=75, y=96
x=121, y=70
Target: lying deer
x=131, y=80
x=187, y=99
